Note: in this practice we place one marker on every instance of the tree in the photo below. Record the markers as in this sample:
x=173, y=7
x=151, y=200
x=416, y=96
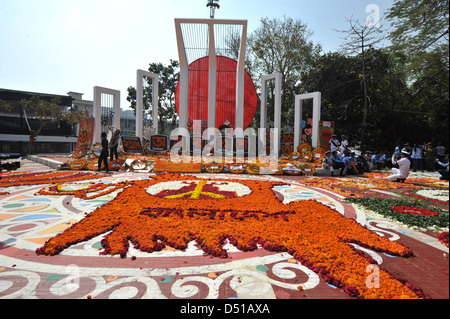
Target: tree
x=168, y=79
x=282, y=46
x=419, y=26
x=359, y=38
x=48, y=112
x=338, y=77
x=420, y=37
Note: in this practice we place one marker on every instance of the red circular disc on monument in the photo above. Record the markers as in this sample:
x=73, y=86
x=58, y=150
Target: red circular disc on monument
x=226, y=93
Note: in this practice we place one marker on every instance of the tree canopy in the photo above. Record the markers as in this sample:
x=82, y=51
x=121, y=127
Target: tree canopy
x=379, y=97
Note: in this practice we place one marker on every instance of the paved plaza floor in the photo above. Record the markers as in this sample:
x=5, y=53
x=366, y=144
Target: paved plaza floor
x=28, y=220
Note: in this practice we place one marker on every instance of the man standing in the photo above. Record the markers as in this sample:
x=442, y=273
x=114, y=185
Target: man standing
x=334, y=144
x=402, y=172
x=114, y=144
x=104, y=154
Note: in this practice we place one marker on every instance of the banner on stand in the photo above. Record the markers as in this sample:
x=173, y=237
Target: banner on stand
x=85, y=135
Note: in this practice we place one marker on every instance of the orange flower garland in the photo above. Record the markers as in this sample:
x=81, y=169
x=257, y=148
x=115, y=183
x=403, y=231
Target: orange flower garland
x=290, y=169
x=307, y=156
x=81, y=152
x=338, y=185
x=319, y=153
x=93, y=165
x=313, y=233
x=182, y=167
x=78, y=164
x=214, y=168
x=236, y=168
x=116, y=164
x=304, y=147
x=86, y=192
x=308, y=169
x=19, y=179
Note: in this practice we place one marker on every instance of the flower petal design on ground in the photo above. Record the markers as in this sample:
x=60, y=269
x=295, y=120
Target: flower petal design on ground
x=314, y=234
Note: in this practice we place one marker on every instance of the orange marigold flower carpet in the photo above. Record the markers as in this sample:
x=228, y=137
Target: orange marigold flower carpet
x=39, y=178
x=207, y=212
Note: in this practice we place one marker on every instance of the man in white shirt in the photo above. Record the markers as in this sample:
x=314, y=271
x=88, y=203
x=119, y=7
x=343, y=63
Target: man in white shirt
x=334, y=144
x=344, y=145
x=327, y=163
x=402, y=172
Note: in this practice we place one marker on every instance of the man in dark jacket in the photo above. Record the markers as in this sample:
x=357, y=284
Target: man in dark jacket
x=114, y=144
x=104, y=154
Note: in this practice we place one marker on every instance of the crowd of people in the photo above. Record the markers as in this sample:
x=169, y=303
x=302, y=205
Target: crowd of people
x=349, y=162
x=401, y=160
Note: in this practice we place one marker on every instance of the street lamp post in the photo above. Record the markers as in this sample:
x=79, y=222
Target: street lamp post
x=213, y=5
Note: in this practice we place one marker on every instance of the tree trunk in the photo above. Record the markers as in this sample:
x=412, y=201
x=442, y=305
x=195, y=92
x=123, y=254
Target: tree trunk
x=33, y=136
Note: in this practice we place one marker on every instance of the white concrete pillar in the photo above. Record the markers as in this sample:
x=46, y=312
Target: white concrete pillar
x=98, y=91
x=140, y=103
x=317, y=97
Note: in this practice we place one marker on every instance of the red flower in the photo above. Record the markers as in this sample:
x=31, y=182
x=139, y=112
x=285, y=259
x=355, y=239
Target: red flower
x=443, y=238
x=414, y=211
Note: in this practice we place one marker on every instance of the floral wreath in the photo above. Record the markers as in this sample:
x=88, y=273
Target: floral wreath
x=295, y=156
x=236, y=168
x=308, y=169
x=116, y=165
x=93, y=165
x=304, y=147
x=82, y=151
x=319, y=153
x=214, y=168
x=78, y=164
x=291, y=169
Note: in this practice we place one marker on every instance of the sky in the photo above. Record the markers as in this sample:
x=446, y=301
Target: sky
x=57, y=46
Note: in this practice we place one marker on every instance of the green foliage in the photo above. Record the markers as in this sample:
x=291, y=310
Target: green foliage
x=168, y=79
x=382, y=206
x=419, y=25
x=51, y=111
x=48, y=112
x=284, y=46
x=406, y=84
x=420, y=37
x=339, y=78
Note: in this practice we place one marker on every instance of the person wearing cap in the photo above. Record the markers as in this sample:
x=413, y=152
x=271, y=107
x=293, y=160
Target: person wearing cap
x=327, y=163
x=402, y=172
x=334, y=144
x=406, y=148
